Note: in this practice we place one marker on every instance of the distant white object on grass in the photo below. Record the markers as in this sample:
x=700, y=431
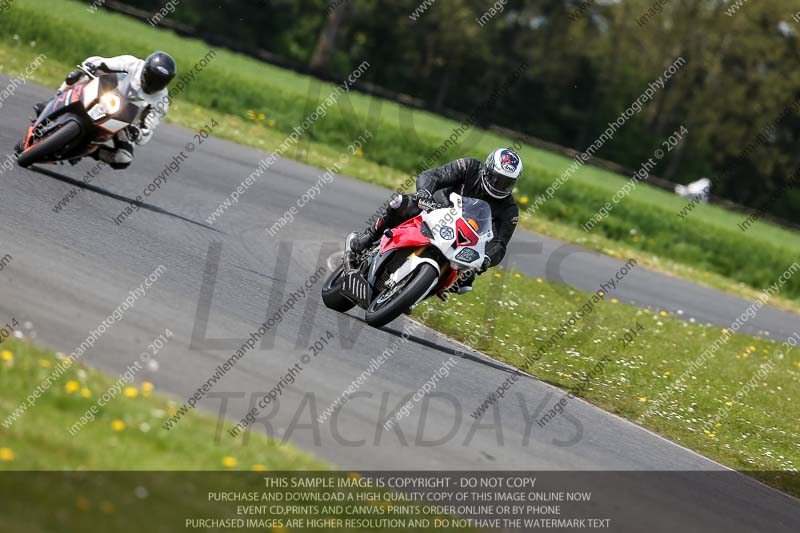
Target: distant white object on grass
x=697, y=190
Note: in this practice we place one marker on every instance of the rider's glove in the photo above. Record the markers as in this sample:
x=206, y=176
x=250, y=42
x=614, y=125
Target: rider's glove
x=134, y=133
x=425, y=200
x=441, y=200
x=73, y=77
x=487, y=262
x=145, y=133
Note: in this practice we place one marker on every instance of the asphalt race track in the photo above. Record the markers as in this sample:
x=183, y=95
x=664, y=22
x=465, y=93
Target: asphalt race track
x=71, y=269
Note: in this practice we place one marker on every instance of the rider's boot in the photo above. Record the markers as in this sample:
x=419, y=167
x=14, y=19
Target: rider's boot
x=39, y=107
x=463, y=285
x=360, y=242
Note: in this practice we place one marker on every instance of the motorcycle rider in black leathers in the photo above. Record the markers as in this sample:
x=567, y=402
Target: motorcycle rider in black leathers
x=491, y=181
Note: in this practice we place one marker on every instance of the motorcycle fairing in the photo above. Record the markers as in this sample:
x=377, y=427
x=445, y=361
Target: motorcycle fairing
x=406, y=235
x=76, y=101
x=464, y=236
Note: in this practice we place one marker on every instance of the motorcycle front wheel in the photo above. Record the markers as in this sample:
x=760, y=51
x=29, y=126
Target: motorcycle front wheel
x=50, y=146
x=332, y=293
x=391, y=303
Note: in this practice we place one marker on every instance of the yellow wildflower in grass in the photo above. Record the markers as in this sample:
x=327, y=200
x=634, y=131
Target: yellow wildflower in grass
x=642, y=399
x=728, y=403
x=72, y=386
x=130, y=392
x=271, y=123
x=6, y=454
x=83, y=504
x=107, y=507
x=523, y=200
x=229, y=462
x=258, y=468
x=7, y=356
x=614, y=301
x=752, y=348
x=251, y=114
x=147, y=388
x=497, y=275
x=359, y=153
x=118, y=425
x=539, y=280
x=663, y=313
x=667, y=373
x=517, y=275
x=261, y=117
x=86, y=393
x=44, y=363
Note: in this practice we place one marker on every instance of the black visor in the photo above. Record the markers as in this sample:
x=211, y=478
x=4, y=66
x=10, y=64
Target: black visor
x=155, y=79
x=497, y=184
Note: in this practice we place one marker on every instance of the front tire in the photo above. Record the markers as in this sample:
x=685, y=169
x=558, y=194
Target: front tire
x=50, y=146
x=384, y=309
x=332, y=292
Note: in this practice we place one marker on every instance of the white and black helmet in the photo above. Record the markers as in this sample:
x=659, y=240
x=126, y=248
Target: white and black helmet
x=501, y=172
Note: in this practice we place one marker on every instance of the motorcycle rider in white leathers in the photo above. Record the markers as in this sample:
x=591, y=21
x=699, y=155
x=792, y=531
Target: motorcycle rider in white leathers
x=149, y=79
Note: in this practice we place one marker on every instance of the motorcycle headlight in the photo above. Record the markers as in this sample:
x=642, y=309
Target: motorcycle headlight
x=112, y=102
x=108, y=105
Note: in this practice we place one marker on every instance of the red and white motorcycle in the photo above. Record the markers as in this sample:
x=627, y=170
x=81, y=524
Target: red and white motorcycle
x=420, y=258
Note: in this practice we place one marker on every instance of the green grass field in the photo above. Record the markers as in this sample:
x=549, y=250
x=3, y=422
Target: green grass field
x=269, y=101
x=127, y=433
x=143, y=476
x=511, y=316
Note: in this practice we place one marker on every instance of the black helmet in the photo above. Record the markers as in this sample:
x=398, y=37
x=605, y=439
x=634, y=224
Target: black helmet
x=158, y=71
x=501, y=172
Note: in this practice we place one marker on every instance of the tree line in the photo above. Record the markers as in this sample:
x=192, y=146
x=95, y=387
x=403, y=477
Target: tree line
x=738, y=94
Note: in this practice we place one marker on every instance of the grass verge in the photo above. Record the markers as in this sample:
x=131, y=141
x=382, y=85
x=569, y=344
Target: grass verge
x=126, y=434
x=753, y=383
x=264, y=103
x=142, y=476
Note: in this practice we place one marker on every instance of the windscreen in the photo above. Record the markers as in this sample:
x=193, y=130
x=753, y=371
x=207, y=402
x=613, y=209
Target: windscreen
x=478, y=215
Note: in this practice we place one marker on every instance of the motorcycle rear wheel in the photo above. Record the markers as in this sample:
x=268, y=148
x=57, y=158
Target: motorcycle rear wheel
x=383, y=309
